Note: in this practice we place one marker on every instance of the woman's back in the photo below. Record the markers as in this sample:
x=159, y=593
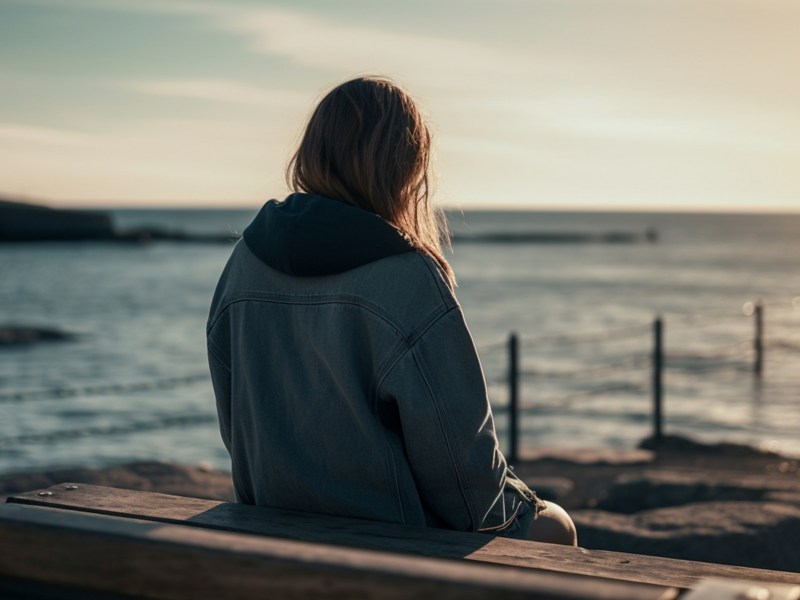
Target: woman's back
x=315, y=363
x=346, y=380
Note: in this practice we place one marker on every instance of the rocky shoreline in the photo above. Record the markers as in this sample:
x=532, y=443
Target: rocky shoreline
x=721, y=503
x=25, y=222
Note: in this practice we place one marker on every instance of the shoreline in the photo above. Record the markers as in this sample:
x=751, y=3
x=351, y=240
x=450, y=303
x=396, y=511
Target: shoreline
x=724, y=503
x=721, y=503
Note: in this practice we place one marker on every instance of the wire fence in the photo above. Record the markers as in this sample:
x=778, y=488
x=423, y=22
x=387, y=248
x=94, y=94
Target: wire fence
x=702, y=349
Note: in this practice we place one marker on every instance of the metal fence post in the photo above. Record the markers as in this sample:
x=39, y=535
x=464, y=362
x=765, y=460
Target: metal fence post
x=658, y=367
x=513, y=398
x=758, y=341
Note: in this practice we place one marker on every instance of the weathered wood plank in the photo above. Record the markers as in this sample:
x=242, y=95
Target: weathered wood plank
x=103, y=553
x=382, y=536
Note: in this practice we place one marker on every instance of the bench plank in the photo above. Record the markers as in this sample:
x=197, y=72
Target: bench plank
x=147, y=559
x=395, y=538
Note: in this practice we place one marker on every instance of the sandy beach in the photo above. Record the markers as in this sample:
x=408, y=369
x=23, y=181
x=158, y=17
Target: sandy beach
x=722, y=503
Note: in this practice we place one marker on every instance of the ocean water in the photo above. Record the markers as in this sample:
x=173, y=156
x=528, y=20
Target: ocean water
x=132, y=384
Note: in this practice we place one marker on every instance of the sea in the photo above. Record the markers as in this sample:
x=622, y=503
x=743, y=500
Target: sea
x=579, y=291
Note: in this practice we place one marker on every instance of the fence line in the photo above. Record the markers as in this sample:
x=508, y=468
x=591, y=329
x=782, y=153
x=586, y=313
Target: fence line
x=681, y=319
x=613, y=334
x=658, y=369
x=784, y=345
x=596, y=392
x=637, y=362
x=758, y=342
x=744, y=347
x=728, y=357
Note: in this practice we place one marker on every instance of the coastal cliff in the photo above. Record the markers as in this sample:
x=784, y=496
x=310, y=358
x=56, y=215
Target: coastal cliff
x=21, y=221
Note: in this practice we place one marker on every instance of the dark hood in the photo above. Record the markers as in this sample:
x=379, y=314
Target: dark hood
x=312, y=235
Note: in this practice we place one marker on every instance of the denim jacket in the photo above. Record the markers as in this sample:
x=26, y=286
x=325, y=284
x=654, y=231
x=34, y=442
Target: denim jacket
x=354, y=388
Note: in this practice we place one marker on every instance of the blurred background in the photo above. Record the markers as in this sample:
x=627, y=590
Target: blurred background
x=602, y=163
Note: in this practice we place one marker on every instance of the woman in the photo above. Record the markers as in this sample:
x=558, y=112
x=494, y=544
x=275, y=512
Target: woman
x=346, y=380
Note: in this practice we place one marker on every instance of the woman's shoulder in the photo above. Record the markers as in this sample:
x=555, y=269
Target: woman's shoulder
x=415, y=275
x=407, y=290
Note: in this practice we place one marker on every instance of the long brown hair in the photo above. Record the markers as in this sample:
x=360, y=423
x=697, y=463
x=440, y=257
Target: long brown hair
x=367, y=144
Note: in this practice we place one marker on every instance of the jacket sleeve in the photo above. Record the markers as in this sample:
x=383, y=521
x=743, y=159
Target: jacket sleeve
x=447, y=426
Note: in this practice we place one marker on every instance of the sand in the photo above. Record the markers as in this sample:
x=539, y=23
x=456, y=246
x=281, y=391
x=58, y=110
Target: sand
x=720, y=503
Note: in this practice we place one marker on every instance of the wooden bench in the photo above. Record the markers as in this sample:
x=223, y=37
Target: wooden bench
x=116, y=543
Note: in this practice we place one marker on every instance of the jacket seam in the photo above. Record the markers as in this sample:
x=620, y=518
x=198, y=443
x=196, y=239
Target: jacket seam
x=217, y=354
x=457, y=468
x=429, y=321
x=306, y=301
x=396, y=481
x=411, y=343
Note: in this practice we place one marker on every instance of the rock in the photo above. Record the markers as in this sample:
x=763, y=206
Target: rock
x=677, y=444
x=553, y=488
x=21, y=222
x=590, y=456
x=684, y=499
x=17, y=336
x=754, y=534
x=657, y=489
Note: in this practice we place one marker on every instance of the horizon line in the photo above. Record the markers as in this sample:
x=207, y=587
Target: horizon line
x=545, y=208
x=154, y=204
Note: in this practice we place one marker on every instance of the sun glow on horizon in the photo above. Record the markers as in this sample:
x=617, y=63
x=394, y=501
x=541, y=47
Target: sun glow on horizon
x=549, y=105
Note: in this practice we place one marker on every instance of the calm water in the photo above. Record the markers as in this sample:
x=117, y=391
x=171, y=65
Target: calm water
x=133, y=384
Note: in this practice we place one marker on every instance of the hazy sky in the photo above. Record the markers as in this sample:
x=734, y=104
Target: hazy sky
x=538, y=103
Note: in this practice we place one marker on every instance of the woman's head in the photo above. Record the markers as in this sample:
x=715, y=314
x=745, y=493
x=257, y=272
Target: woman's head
x=367, y=144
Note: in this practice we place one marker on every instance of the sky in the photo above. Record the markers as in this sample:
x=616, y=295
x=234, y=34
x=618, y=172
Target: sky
x=534, y=104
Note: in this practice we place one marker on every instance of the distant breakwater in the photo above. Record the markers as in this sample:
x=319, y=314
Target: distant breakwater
x=23, y=222
x=30, y=222
x=557, y=237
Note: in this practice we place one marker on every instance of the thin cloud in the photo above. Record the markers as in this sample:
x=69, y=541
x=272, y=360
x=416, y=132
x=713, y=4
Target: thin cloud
x=175, y=7
x=217, y=90
x=16, y=132
x=316, y=42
